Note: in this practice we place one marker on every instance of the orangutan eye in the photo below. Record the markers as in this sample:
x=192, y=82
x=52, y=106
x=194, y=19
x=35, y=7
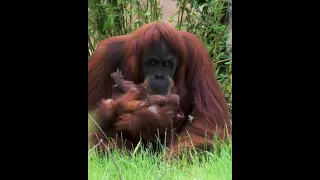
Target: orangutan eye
x=166, y=64
x=153, y=61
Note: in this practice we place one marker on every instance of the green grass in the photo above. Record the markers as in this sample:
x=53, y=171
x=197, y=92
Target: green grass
x=145, y=165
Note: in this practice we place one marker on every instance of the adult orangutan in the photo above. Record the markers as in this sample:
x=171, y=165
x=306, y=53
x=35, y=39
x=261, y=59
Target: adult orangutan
x=158, y=52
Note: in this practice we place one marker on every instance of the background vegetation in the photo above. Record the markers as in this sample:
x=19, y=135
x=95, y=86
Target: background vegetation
x=210, y=20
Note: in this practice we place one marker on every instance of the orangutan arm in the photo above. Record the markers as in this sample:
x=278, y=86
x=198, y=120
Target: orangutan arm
x=209, y=108
x=149, y=120
x=105, y=60
x=145, y=123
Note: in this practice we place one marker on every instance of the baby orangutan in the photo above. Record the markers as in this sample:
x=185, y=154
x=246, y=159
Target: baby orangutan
x=137, y=113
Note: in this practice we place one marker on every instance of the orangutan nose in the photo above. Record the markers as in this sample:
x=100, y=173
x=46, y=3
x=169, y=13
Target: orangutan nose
x=159, y=77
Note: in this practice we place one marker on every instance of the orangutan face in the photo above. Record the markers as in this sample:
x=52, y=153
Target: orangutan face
x=159, y=66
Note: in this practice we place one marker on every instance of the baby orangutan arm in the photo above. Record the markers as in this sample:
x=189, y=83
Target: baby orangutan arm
x=109, y=109
x=121, y=82
x=171, y=101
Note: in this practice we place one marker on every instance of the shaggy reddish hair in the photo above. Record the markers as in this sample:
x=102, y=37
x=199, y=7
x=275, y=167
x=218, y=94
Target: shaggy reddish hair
x=199, y=91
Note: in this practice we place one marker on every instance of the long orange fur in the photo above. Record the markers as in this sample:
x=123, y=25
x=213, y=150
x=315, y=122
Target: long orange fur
x=199, y=91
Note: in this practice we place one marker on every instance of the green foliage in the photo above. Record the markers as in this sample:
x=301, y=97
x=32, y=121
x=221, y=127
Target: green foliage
x=208, y=19
x=109, y=18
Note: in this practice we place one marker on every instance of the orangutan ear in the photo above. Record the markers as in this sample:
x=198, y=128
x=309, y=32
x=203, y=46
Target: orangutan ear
x=105, y=60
